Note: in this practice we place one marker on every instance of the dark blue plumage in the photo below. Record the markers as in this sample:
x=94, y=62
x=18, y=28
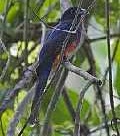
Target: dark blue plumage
x=52, y=47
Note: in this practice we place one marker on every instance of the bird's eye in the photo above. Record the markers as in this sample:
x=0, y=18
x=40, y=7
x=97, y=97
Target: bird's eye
x=72, y=11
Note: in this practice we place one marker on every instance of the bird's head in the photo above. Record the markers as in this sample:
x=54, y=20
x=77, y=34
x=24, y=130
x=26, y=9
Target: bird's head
x=70, y=13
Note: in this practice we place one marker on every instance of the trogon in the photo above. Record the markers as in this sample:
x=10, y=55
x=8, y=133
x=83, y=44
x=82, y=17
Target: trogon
x=51, y=50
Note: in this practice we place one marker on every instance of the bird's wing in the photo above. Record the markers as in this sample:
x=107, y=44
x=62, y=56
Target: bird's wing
x=54, y=41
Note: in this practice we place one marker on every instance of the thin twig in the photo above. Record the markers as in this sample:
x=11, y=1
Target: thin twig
x=91, y=59
x=100, y=127
x=113, y=56
x=110, y=66
x=8, y=5
x=105, y=119
x=117, y=97
x=114, y=35
x=78, y=109
x=26, y=29
x=65, y=4
x=68, y=104
x=81, y=73
x=38, y=5
x=91, y=5
x=43, y=33
x=8, y=60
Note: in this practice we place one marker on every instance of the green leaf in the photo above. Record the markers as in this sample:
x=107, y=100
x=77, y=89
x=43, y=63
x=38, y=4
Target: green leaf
x=2, y=4
x=114, y=11
x=73, y=97
x=6, y=117
x=46, y=99
x=117, y=79
x=80, y=57
x=13, y=13
x=65, y=129
x=85, y=109
x=95, y=118
x=61, y=113
x=74, y=2
x=117, y=56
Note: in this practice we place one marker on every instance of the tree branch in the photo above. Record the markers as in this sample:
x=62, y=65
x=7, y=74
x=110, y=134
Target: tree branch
x=19, y=112
x=81, y=73
x=68, y=104
x=8, y=60
x=115, y=35
x=78, y=109
x=26, y=80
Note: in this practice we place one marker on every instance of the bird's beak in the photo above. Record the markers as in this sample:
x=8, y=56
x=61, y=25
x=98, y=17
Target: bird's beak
x=87, y=12
x=84, y=12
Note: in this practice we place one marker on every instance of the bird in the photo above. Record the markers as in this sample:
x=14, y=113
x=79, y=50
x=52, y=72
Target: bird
x=49, y=55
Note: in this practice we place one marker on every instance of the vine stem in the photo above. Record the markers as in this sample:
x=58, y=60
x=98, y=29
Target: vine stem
x=110, y=65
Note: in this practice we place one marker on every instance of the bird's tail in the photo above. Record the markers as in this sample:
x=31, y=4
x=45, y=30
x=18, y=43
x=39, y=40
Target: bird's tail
x=43, y=74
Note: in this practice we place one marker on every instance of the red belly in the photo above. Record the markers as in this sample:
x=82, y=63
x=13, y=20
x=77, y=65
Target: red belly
x=69, y=49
